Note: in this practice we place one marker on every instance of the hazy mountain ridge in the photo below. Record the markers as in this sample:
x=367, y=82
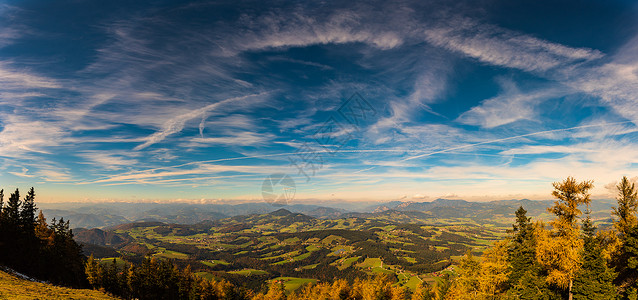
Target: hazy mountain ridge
x=101, y=215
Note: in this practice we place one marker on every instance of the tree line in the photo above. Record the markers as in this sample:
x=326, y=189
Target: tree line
x=157, y=279
x=28, y=244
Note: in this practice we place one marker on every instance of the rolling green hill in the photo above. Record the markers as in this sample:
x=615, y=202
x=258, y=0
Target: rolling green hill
x=260, y=247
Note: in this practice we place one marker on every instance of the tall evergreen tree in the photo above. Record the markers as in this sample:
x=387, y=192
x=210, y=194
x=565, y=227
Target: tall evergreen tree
x=594, y=279
x=3, y=226
x=625, y=228
x=27, y=213
x=522, y=253
x=526, y=279
x=627, y=262
x=10, y=252
x=1, y=204
x=12, y=211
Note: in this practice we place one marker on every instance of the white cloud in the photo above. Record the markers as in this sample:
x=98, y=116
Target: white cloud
x=502, y=47
x=14, y=79
x=109, y=160
x=296, y=29
x=177, y=123
x=22, y=173
x=510, y=106
x=55, y=175
x=21, y=135
x=615, y=82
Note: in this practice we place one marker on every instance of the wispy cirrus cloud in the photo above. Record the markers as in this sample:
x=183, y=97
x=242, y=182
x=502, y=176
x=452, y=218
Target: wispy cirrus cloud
x=615, y=81
x=510, y=106
x=110, y=160
x=15, y=79
x=176, y=124
x=299, y=29
x=21, y=135
x=502, y=47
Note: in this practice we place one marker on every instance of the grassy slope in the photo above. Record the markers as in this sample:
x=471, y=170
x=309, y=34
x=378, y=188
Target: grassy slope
x=12, y=287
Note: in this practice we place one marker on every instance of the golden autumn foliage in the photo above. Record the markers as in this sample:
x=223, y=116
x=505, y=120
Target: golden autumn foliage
x=482, y=280
x=559, y=249
x=560, y=255
x=626, y=208
x=377, y=288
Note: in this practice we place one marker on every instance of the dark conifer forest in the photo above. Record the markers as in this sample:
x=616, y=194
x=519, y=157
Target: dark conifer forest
x=30, y=245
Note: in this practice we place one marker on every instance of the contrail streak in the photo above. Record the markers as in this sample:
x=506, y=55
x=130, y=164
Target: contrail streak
x=107, y=178
x=511, y=138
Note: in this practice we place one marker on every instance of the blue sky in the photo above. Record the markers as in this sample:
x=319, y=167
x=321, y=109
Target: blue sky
x=201, y=101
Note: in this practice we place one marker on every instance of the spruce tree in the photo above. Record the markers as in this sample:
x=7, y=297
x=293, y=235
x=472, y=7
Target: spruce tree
x=594, y=279
x=27, y=213
x=628, y=261
x=625, y=228
x=522, y=253
x=1, y=205
x=526, y=278
x=3, y=233
x=10, y=253
x=12, y=211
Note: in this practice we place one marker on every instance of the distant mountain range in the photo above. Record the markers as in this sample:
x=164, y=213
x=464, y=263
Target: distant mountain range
x=99, y=215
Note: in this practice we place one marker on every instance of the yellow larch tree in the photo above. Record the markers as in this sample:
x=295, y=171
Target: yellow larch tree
x=559, y=249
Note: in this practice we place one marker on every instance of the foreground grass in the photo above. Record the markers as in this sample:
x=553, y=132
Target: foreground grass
x=12, y=287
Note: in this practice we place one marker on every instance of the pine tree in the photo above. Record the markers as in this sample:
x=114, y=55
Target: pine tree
x=1, y=205
x=27, y=213
x=3, y=226
x=559, y=250
x=12, y=211
x=594, y=279
x=628, y=261
x=10, y=253
x=522, y=253
x=625, y=228
x=65, y=256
